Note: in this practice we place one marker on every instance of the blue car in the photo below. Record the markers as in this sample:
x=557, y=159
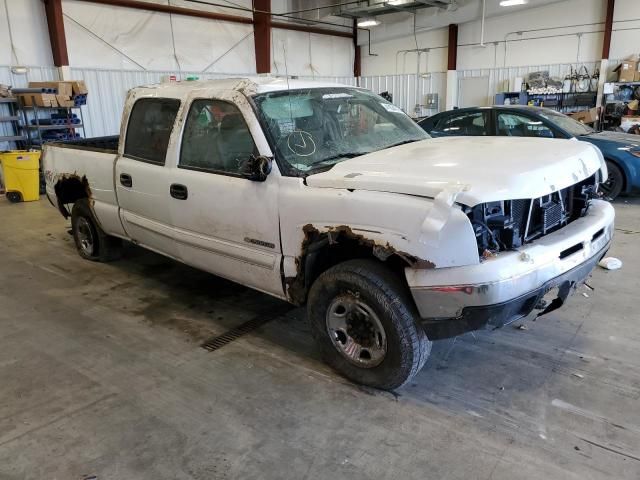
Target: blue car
x=621, y=150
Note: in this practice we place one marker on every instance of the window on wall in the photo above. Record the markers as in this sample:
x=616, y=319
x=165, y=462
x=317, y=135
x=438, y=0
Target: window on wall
x=149, y=129
x=513, y=125
x=216, y=138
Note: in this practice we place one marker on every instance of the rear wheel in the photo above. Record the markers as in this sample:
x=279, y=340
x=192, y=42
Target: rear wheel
x=363, y=321
x=91, y=242
x=615, y=182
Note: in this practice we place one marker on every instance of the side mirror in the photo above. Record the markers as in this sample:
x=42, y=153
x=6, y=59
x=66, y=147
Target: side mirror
x=257, y=168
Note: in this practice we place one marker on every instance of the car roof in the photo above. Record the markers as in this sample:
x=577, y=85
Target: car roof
x=247, y=85
x=501, y=107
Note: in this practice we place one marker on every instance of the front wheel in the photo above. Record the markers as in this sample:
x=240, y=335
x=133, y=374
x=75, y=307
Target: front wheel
x=613, y=186
x=364, y=324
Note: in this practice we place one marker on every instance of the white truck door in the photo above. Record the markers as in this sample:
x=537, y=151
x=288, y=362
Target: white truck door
x=224, y=223
x=141, y=178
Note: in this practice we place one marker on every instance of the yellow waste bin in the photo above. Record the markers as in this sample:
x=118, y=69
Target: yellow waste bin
x=21, y=175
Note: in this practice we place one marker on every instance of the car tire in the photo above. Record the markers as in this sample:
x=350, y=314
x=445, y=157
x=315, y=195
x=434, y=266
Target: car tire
x=91, y=242
x=364, y=323
x=615, y=183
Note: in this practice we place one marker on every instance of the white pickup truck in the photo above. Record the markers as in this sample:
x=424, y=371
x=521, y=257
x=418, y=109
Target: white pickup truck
x=330, y=196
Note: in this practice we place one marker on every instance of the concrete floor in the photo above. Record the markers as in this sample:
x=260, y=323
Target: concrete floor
x=101, y=374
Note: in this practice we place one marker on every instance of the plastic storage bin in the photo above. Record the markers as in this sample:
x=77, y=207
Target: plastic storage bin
x=20, y=173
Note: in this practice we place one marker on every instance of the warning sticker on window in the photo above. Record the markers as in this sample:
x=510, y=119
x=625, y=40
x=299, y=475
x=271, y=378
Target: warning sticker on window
x=390, y=107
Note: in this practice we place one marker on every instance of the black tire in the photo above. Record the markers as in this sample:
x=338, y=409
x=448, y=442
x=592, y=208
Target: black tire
x=14, y=197
x=615, y=183
x=91, y=242
x=368, y=281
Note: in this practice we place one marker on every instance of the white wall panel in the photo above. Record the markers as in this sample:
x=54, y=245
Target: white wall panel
x=386, y=60
x=104, y=36
x=546, y=33
x=28, y=27
x=309, y=54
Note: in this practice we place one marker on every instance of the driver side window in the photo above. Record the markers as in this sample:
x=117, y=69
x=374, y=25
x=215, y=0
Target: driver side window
x=216, y=138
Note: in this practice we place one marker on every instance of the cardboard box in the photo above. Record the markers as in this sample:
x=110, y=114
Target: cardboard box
x=66, y=88
x=627, y=71
x=65, y=101
x=627, y=122
x=39, y=99
x=63, y=88
x=587, y=116
x=78, y=87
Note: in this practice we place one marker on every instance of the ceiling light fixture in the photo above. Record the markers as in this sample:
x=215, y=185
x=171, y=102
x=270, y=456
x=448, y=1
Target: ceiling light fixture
x=512, y=3
x=368, y=22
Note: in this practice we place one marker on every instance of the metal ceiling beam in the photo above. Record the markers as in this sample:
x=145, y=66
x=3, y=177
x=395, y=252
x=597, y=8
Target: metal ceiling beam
x=304, y=28
x=190, y=12
x=383, y=8
x=156, y=7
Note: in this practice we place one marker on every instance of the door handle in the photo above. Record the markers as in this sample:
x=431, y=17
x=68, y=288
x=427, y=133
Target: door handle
x=126, y=180
x=178, y=191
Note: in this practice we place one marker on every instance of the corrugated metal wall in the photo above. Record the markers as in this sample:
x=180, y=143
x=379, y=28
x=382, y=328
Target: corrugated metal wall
x=107, y=91
x=403, y=89
x=107, y=88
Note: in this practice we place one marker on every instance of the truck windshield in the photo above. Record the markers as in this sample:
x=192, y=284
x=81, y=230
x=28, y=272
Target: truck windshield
x=312, y=130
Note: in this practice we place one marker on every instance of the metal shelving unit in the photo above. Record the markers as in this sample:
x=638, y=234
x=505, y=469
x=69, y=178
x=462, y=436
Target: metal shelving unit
x=566, y=100
x=34, y=130
x=13, y=118
x=614, y=106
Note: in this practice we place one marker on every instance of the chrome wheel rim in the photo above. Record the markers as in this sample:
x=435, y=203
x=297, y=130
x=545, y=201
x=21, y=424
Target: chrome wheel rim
x=85, y=236
x=356, y=331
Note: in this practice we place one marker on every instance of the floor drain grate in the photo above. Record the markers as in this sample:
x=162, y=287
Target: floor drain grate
x=229, y=336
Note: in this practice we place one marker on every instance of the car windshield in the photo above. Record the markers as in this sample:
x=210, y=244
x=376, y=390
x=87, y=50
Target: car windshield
x=312, y=130
x=568, y=124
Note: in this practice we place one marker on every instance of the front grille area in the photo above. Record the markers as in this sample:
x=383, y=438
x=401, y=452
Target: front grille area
x=509, y=224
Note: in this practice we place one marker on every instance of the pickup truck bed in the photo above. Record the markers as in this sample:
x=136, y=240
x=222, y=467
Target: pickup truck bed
x=108, y=144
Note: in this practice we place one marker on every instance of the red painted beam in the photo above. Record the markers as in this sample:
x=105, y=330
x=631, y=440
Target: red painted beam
x=357, y=59
x=608, y=27
x=190, y=12
x=55, y=22
x=262, y=34
x=304, y=28
x=453, y=47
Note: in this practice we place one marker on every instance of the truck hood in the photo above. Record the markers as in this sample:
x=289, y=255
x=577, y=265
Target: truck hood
x=472, y=169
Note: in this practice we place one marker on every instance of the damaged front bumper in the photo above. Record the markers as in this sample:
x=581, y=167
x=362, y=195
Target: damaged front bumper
x=511, y=285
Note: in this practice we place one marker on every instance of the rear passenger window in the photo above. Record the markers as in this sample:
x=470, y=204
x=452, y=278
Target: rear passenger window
x=216, y=138
x=472, y=124
x=149, y=129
